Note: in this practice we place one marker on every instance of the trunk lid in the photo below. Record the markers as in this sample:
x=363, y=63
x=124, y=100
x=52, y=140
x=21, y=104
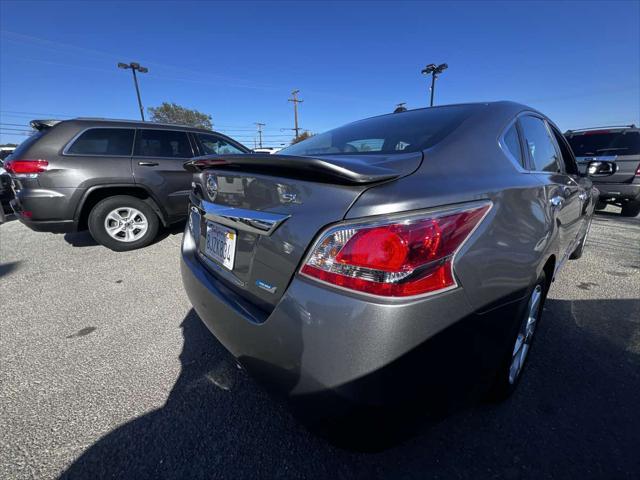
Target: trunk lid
x=276, y=205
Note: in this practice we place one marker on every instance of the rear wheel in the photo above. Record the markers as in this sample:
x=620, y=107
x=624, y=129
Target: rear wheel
x=631, y=209
x=510, y=370
x=123, y=223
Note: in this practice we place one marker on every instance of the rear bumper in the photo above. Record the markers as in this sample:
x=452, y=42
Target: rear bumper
x=45, y=210
x=612, y=192
x=326, y=348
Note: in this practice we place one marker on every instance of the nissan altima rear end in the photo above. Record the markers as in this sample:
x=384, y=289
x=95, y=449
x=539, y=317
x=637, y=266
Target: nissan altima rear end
x=399, y=255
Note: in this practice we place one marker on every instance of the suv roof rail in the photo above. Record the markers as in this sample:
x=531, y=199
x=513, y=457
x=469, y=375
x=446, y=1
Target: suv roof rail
x=633, y=125
x=146, y=122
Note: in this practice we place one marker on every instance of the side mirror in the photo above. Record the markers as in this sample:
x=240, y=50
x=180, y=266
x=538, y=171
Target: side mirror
x=601, y=169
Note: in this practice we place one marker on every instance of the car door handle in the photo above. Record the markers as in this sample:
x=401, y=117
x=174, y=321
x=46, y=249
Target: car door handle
x=148, y=164
x=556, y=201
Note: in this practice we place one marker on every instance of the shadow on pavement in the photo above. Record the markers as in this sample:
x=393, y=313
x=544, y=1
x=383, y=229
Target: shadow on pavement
x=7, y=268
x=84, y=238
x=575, y=415
x=80, y=239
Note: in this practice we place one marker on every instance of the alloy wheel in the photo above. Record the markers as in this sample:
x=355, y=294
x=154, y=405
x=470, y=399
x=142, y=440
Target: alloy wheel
x=525, y=334
x=126, y=224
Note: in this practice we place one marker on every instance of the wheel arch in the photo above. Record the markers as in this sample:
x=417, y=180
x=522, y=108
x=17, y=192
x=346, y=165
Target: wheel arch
x=97, y=193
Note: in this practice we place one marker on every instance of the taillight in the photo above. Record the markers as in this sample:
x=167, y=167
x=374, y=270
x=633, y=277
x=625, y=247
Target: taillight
x=638, y=171
x=396, y=258
x=26, y=167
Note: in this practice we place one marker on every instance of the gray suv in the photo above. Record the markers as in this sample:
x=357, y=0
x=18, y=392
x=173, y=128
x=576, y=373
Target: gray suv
x=620, y=145
x=121, y=179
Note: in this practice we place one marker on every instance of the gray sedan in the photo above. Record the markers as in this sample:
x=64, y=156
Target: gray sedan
x=401, y=255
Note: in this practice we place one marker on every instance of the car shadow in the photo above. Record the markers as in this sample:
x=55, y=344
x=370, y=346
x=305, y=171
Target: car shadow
x=9, y=267
x=80, y=239
x=574, y=415
x=84, y=238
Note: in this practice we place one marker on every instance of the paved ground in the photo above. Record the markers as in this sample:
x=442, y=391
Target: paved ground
x=106, y=372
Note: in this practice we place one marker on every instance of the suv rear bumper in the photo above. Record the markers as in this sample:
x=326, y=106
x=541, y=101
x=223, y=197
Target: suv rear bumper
x=44, y=210
x=617, y=192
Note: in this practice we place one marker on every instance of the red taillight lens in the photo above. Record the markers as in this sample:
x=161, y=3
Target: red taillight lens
x=26, y=166
x=638, y=171
x=399, y=258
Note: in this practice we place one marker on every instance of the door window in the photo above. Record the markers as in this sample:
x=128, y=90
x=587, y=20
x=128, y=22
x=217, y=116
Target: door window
x=541, y=147
x=512, y=144
x=162, y=143
x=214, y=145
x=103, y=141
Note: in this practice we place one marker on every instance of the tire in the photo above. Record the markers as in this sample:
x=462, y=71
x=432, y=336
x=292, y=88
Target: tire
x=509, y=374
x=601, y=205
x=631, y=209
x=133, y=223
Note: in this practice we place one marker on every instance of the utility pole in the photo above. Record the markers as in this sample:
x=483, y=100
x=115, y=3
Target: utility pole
x=135, y=67
x=434, y=71
x=260, y=125
x=295, y=101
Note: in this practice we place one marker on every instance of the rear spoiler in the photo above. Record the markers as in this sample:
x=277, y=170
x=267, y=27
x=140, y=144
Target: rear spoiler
x=43, y=124
x=308, y=168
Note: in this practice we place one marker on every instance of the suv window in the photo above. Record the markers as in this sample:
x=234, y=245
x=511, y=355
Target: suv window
x=512, y=143
x=103, y=141
x=541, y=147
x=162, y=143
x=214, y=145
x=604, y=143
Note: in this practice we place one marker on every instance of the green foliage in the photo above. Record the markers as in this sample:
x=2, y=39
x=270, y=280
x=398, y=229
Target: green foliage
x=179, y=115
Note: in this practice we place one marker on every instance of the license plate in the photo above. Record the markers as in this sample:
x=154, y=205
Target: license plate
x=220, y=244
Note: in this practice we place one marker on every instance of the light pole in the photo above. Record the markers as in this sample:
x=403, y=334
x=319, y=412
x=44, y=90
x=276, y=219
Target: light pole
x=434, y=71
x=135, y=66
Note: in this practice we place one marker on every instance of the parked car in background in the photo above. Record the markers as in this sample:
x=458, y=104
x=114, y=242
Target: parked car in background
x=620, y=145
x=5, y=152
x=404, y=254
x=121, y=179
x=267, y=150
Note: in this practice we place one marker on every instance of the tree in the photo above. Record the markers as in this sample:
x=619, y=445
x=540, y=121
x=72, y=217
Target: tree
x=174, y=113
x=303, y=136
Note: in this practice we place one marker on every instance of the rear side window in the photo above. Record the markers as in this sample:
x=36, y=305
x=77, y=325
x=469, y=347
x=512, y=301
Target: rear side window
x=512, y=144
x=103, y=141
x=213, y=145
x=541, y=147
x=163, y=143
x=604, y=143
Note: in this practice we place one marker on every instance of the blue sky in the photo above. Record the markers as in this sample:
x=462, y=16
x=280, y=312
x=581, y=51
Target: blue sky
x=578, y=62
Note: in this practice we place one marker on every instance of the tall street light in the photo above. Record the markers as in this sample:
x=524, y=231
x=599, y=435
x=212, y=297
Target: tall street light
x=434, y=71
x=135, y=67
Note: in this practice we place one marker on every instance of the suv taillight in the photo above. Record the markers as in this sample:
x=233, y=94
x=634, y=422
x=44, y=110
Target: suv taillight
x=26, y=167
x=397, y=258
x=638, y=171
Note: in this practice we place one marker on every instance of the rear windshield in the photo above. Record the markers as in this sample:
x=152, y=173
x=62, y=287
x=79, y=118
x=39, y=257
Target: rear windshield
x=25, y=145
x=410, y=131
x=603, y=144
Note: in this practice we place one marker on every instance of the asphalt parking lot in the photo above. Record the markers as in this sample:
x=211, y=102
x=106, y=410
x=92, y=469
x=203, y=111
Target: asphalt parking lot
x=106, y=372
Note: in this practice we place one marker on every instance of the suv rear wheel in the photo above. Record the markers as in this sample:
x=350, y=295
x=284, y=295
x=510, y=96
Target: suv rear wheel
x=631, y=209
x=123, y=223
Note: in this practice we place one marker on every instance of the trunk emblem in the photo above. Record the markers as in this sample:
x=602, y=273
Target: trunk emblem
x=212, y=187
x=266, y=286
